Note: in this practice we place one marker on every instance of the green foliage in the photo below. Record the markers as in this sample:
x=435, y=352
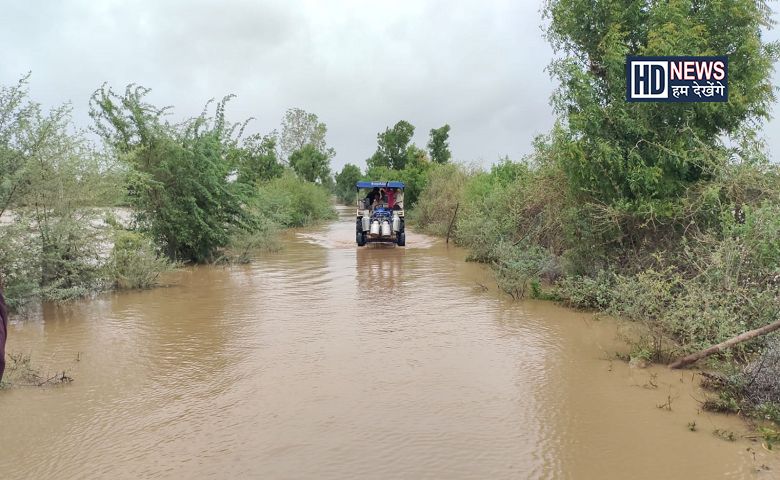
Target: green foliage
x=345, y=183
x=437, y=204
x=134, y=261
x=641, y=157
x=179, y=184
x=666, y=214
x=290, y=202
x=438, y=146
x=515, y=202
x=414, y=176
x=50, y=181
x=499, y=219
x=244, y=245
x=392, y=147
x=255, y=159
x=311, y=164
x=587, y=292
x=301, y=128
x=517, y=266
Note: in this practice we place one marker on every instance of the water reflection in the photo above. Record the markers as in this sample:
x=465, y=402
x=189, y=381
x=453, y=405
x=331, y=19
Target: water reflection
x=379, y=270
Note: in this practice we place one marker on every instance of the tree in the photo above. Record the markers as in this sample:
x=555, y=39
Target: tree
x=255, y=159
x=51, y=180
x=311, y=164
x=178, y=184
x=392, y=146
x=345, y=182
x=641, y=157
x=16, y=112
x=301, y=128
x=438, y=146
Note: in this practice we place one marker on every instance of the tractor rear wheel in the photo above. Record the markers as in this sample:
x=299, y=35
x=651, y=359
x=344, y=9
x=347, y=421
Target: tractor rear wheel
x=401, y=240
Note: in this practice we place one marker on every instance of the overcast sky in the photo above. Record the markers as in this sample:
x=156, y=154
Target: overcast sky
x=360, y=65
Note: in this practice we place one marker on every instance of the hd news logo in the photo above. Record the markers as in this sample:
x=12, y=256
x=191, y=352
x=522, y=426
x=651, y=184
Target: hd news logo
x=677, y=79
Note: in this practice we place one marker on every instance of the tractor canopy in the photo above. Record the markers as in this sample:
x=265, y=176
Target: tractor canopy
x=393, y=184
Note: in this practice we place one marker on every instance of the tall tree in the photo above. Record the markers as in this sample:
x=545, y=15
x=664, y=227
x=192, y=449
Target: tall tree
x=641, y=157
x=392, y=146
x=255, y=159
x=311, y=165
x=301, y=128
x=345, y=182
x=438, y=147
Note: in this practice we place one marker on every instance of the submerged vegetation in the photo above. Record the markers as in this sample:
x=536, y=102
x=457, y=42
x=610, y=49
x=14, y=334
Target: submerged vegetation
x=197, y=190
x=22, y=372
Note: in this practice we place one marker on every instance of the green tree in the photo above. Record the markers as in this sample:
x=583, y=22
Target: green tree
x=179, y=173
x=51, y=180
x=15, y=112
x=392, y=145
x=345, y=182
x=641, y=157
x=301, y=128
x=416, y=158
x=311, y=165
x=438, y=147
x=255, y=159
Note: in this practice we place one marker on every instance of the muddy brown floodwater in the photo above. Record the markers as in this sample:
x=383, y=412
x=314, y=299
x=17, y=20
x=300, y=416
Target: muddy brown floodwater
x=328, y=361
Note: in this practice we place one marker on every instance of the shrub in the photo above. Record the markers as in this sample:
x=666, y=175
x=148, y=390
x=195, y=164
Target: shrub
x=179, y=173
x=134, y=261
x=587, y=292
x=291, y=202
x=437, y=204
x=517, y=266
x=50, y=179
x=762, y=380
x=243, y=245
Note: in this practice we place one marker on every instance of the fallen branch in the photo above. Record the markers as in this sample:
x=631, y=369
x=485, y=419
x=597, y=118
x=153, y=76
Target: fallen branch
x=742, y=337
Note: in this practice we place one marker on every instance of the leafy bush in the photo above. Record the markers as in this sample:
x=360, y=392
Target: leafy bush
x=595, y=293
x=243, y=245
x=255, y=159
x=518, y=266
x=179, y=174
x=134, y=261
x=437, y=204
x=516, y=202
x=50, y=181
x=291, y=202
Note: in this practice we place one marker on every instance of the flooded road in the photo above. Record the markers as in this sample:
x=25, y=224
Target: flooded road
x=327, y=361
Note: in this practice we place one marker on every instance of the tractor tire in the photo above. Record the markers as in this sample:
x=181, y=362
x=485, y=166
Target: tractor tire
x=401, y=240
x=361, y=239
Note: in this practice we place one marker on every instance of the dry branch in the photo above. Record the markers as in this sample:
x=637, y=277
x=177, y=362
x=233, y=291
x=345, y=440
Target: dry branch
x=742, y=337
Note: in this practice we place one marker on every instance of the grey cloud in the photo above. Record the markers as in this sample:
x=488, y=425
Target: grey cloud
x=361, y=66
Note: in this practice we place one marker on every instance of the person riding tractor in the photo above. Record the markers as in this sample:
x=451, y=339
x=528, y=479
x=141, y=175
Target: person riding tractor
x=380, y=213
